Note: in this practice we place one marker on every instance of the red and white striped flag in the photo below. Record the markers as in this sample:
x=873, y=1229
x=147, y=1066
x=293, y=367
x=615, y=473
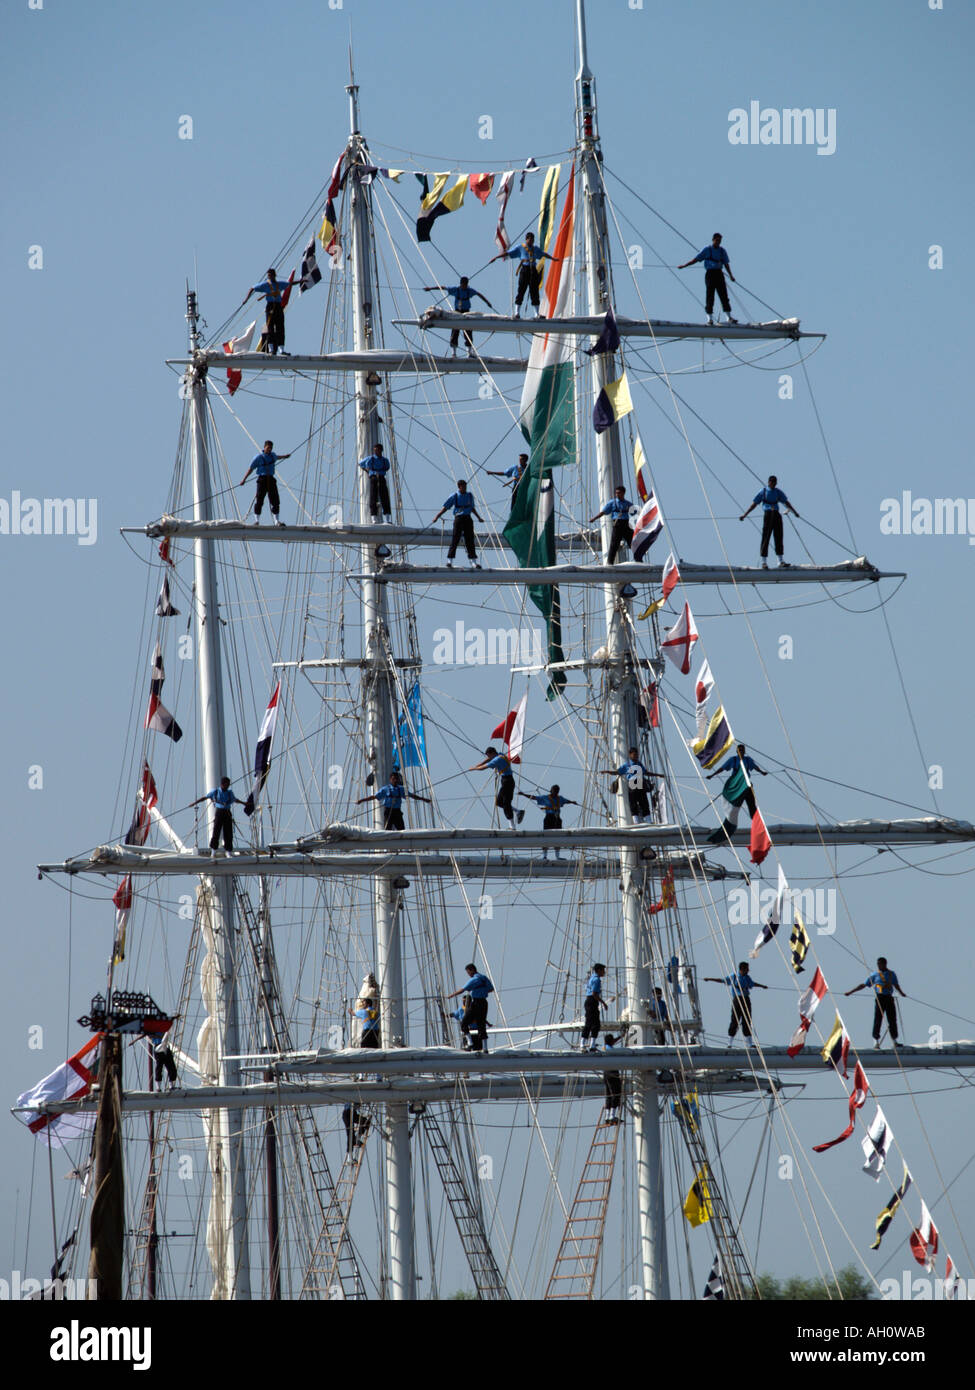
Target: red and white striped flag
x=122, y=898
x=232, y=348
x=502, y=195
x=951, y=1279
x=858, y=1098
x=671, y=577
x=643, y=488
x=924, y=1240
x=759, y=843
x=158, y=718
x=262, y=754
x=70, y=1081
x=808, y=1004
x=512, y=729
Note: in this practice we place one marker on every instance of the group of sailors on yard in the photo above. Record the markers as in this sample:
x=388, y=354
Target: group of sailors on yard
x=461, y=503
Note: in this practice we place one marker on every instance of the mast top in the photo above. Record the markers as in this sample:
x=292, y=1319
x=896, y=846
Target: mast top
x=585, y=86
x=353, y=92
x=193, y=318
x=584, y=69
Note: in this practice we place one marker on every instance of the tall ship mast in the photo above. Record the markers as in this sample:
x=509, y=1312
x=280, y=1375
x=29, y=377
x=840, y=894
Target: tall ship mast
x=337, y=1125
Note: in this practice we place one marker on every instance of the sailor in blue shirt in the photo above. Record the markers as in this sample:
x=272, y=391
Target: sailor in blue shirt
x=464, y=509
x=592, y=1004
x=223, y=818
x=274, y=292
x=463, y=294
x=657, y=1009
x=618, y=508
x=528, y=256
x=475, y=1021
x=551, y=804
x=262, y=465
x=741, y=986
x=716, y=262
x=636, y=775
x=736, y=790
x=367, y=1013
x=390, y=798
x=506, y=785
x=770, y=497
x=376, y=466
x=516, y=472
x=883, y=982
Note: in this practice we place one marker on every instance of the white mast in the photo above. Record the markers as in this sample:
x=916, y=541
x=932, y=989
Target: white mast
x=622, y=701
x=378, y=704
x=227, y=1236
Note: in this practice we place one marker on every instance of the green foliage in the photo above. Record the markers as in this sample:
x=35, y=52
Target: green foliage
x=460, y=1294
x=853, y=1287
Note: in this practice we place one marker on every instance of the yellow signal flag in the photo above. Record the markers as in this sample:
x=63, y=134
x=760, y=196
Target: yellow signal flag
x=655, y=607
x=697, y=1207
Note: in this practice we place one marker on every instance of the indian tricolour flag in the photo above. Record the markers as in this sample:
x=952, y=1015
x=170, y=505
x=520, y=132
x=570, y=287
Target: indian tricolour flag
x=547, y=420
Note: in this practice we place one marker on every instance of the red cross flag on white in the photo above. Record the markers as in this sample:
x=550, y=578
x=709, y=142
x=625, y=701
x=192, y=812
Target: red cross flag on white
x=679, y=640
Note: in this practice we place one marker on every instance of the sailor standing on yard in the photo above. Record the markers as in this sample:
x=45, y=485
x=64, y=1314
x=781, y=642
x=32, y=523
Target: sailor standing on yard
x=884, y=983
x=263, y=465
x=376, y=466
x=390, y=798
x=551, y=804
x=716, y=262
x=741, y=986
x=592, y=1004
x=618, y=507
x=464, y=509
x=463, y=294
x=273, y=292
x=528, y=256
x=770, y=497
x=223, y=818
x=506, y=784
x=736, y=790
x=474, y=1022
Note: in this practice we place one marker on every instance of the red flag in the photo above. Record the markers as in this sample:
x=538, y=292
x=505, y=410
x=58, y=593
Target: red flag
x=286, y=292
x=651, y=704
x=858, y=1098
x=924, y=1240
x=671, y=576
x=232, y=347
x=122, y=897
x=512, y=729
x=808, y=1004
x=481, y=185
x=759, y=844
x=164, y=550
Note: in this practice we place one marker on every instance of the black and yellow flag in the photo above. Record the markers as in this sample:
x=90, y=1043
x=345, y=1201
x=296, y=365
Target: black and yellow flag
x=887, y=1215
x=799, y=943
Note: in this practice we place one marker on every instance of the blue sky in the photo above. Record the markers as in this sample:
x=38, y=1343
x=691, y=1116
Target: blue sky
x=125, y=212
